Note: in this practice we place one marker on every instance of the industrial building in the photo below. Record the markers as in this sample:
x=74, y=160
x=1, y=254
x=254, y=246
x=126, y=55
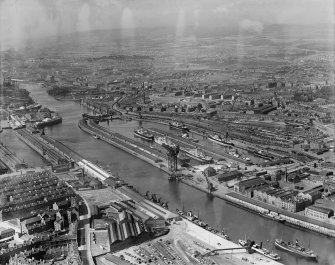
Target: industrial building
x=319, y=212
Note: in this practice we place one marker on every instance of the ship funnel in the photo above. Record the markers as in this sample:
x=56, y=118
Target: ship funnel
x=261, y=246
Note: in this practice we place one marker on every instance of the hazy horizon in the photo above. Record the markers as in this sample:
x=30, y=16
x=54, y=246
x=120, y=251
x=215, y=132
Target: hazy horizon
x=24, y=20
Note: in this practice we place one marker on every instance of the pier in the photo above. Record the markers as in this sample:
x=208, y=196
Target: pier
x=44, y=148
x=135, y=148
x=9, y=161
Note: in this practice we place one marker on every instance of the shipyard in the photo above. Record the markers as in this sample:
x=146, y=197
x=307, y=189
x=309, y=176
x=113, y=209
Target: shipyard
x=183, y=144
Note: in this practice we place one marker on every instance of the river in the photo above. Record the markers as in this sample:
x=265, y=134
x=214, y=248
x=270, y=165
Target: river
x=237, y=222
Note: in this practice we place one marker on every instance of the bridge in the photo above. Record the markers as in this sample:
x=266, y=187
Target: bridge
x=214, y=251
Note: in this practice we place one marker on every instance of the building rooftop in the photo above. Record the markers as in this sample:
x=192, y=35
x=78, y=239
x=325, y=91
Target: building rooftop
x=321, y=209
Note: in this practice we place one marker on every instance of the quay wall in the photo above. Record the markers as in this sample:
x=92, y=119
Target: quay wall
x=288, y=217
x=30, y=144
x=124, y=146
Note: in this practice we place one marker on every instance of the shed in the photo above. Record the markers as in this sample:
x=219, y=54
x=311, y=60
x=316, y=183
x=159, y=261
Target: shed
x=230, y=175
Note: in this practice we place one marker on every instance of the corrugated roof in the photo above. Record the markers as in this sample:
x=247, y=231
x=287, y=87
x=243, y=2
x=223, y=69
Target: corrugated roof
x=320, y=209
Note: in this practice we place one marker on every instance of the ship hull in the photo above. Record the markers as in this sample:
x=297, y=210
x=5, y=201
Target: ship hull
x=262, y=252
x=41, y=125
x=181, y=128
x=262, y=156
x=218, y=141
x=287, y=248
x=145, y=137
x=197, y=157
x=273, y=218
x=103, y=117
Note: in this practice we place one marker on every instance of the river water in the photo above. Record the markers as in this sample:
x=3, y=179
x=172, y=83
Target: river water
x=237, y=222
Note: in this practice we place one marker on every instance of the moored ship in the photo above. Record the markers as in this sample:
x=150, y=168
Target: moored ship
x=178, y=126
x=262, y=154
x=191, y=217
x=100, y=117
x=35, y=106
x=295, y=248
x=144, y=134
x=263, y=251
x=274, y=216
x=48, y=122
x=164, y=140
x=218, y=139
x=198, y=155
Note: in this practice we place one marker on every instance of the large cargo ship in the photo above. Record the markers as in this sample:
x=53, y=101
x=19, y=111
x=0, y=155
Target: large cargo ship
x=295, y=248
x=144, y=134
x=48, y=122
x=198, y=155
x=178, y=126
x=164, y=140
x=218, y=139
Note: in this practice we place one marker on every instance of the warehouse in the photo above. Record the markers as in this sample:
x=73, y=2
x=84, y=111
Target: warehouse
x=230, y=175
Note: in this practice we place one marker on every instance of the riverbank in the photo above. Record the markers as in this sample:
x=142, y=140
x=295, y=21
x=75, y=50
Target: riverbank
x=217, y=213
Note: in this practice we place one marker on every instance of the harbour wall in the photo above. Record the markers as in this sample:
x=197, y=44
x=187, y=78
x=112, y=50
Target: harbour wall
x=295, y=221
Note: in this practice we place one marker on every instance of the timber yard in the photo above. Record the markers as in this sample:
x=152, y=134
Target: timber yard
x=260, y=149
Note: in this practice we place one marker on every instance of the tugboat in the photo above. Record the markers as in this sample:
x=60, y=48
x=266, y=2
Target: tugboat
x=218, y=139
x=295, y=248
x=274, y=216
x=224, y=235
x=178, y=126
x=144, y=134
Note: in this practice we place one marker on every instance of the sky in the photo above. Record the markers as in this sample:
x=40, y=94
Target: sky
x=21, y=20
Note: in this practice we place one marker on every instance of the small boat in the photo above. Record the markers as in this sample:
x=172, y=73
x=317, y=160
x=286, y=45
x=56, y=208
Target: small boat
x=224, y=235
x=295, y=248
x=96, y=136
x=180, y=212
x=243, y=243
x=274, y=216
x=178, y=126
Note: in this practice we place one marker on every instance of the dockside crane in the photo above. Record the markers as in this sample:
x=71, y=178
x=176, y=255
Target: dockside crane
x=172, y=153
x=210, y=186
